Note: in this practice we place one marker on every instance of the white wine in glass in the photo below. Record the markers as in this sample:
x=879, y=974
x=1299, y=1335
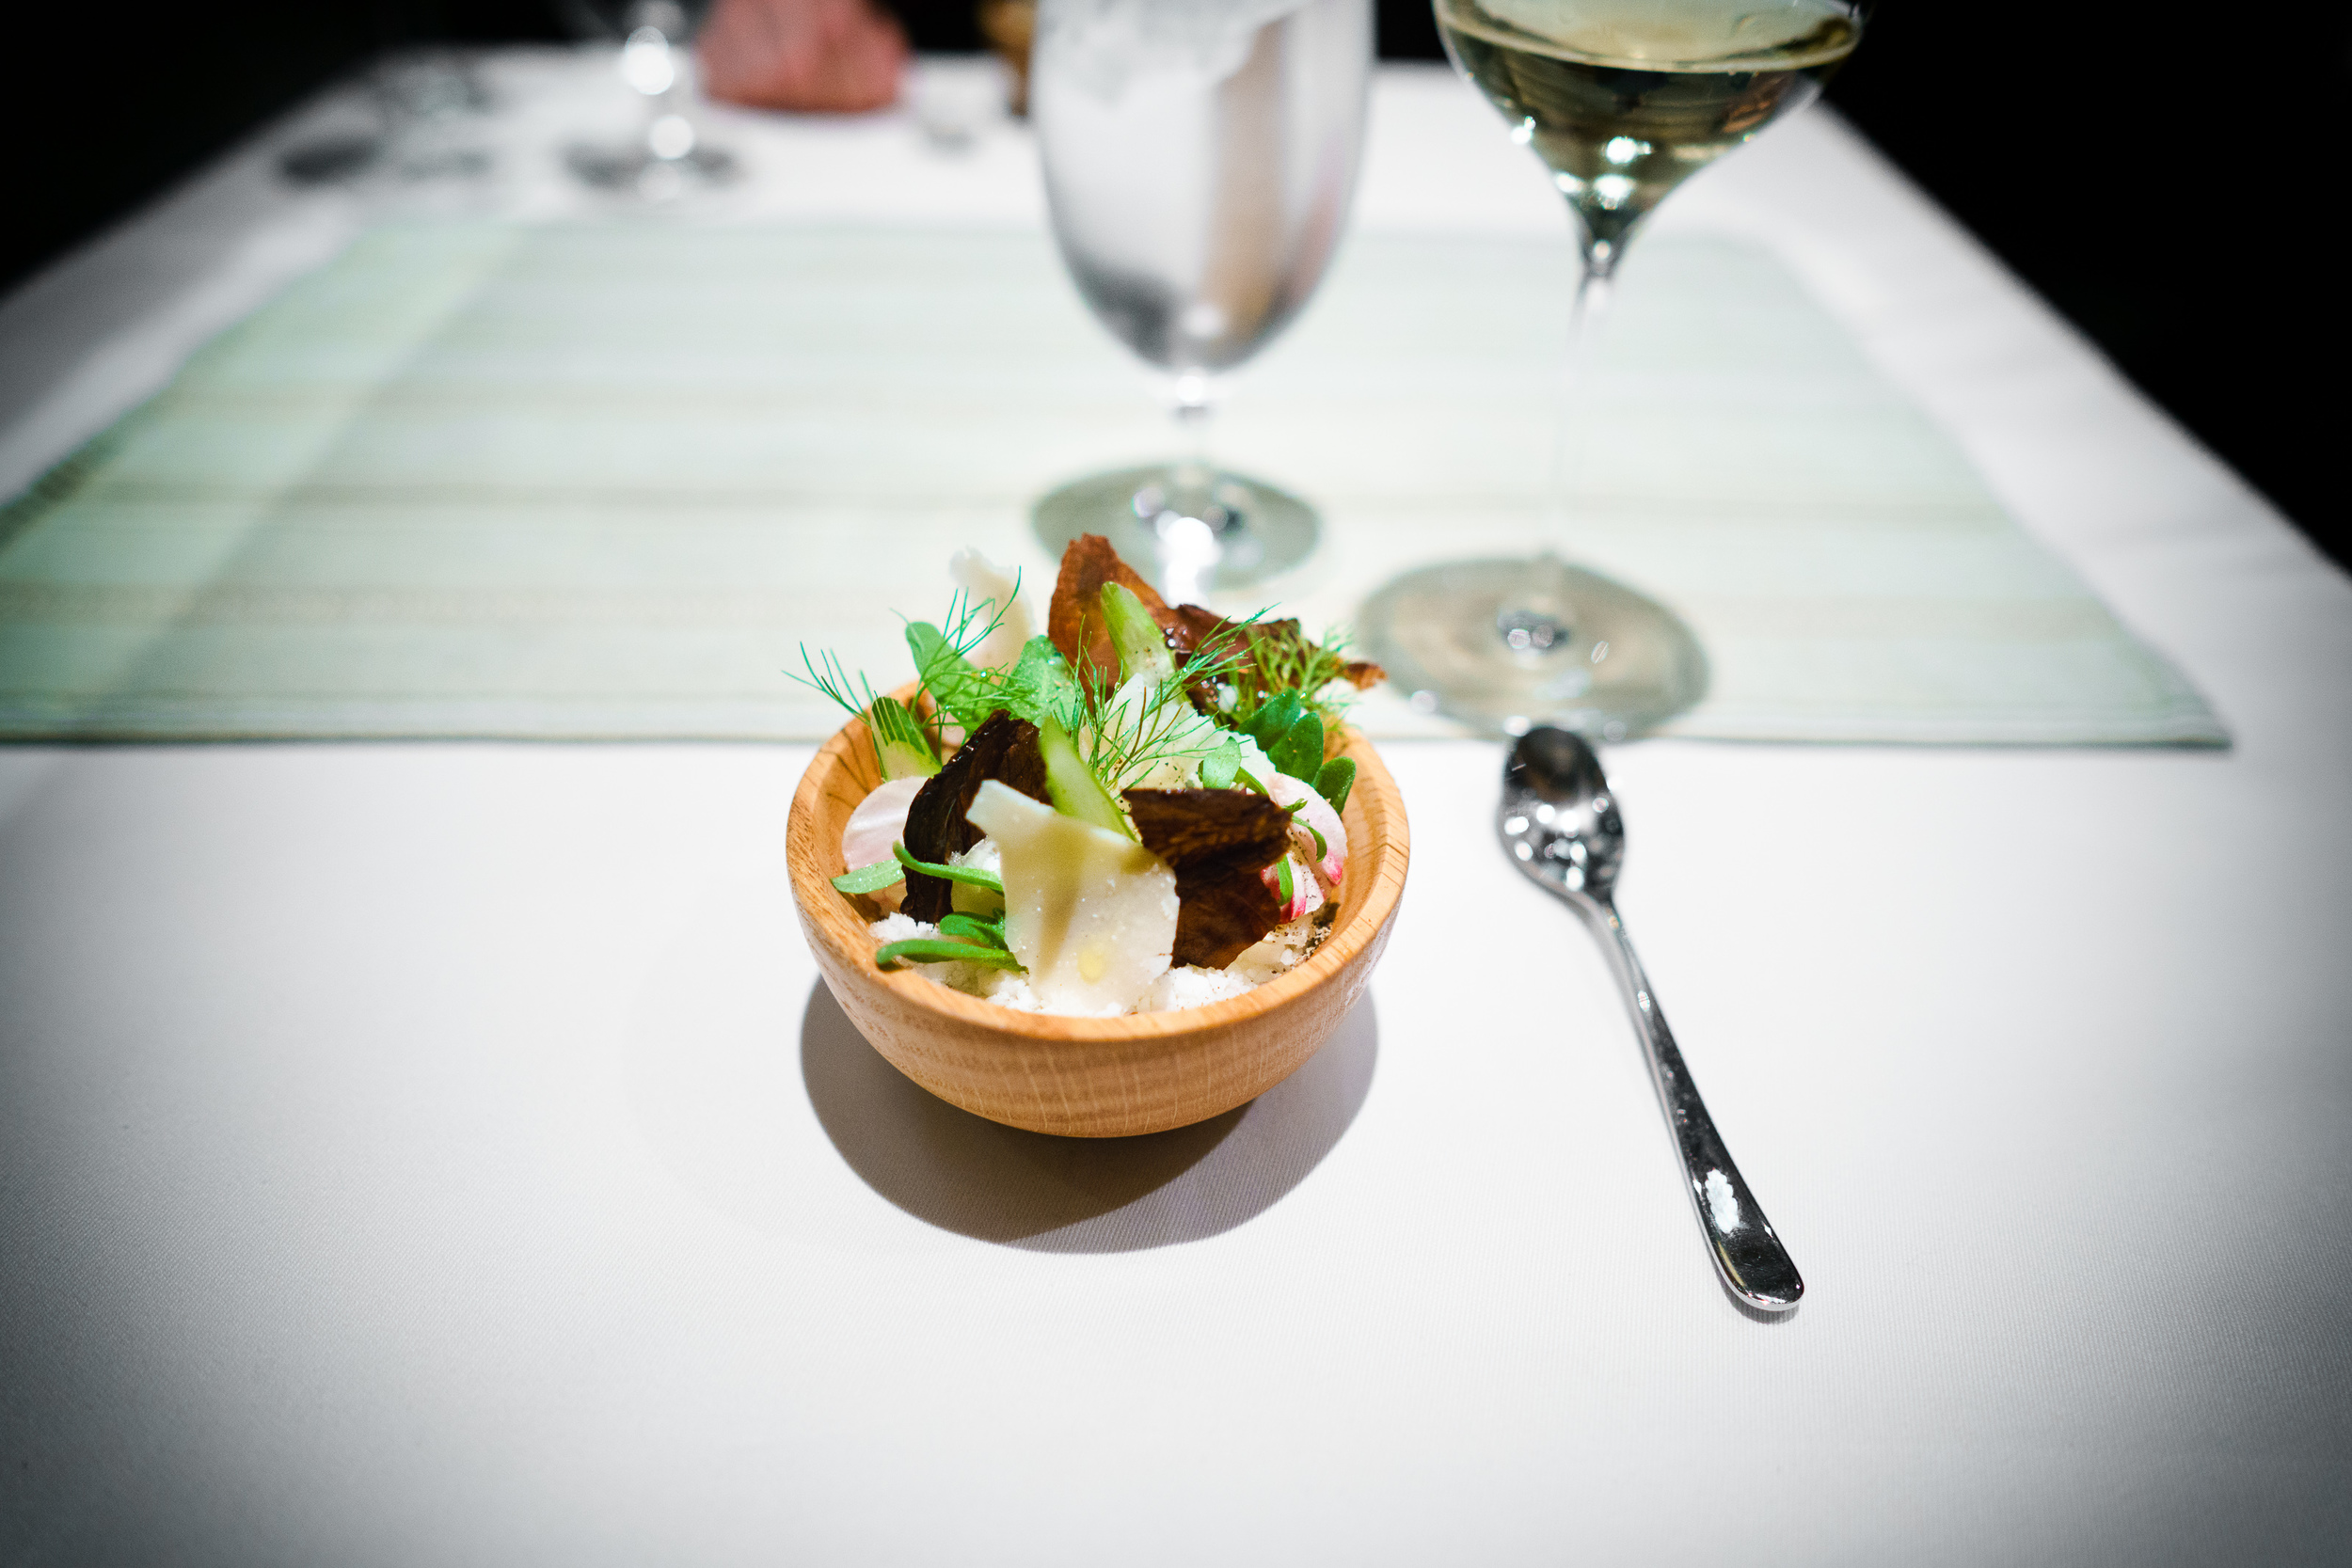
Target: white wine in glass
x=1623, y=100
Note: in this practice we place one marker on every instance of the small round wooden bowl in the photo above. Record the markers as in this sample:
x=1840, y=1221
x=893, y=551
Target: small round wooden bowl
x=1090, y=1077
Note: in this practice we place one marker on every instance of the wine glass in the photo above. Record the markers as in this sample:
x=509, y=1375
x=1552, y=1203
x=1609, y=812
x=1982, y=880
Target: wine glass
x=1199, y=157
x=668, y=154
x=1622, y=100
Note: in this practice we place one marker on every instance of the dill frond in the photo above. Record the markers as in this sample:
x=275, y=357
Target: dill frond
x=828, y=674
x=1281, y=659
x=1125, y=740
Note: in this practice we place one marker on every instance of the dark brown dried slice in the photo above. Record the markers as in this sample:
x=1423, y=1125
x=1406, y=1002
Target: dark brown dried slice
x=1217, y=840
x=1005, y=747
x=1194, y=629
x=1090, y=562
x=1077, y=609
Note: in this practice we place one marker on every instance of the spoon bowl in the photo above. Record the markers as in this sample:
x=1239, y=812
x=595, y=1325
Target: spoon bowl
x=1558, y=819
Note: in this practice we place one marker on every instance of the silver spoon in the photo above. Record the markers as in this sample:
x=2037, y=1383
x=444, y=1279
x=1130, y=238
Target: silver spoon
x=1560, y=824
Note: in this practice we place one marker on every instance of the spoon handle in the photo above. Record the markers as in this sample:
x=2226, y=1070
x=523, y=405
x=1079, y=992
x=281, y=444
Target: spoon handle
x=1755, y=1267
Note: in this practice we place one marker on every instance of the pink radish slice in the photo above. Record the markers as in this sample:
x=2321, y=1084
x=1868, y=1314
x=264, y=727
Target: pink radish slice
x=879, y=822
x=1306, y=893
x=1331, y=867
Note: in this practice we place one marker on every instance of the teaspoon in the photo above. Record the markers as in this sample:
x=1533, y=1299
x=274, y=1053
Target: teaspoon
x=1560, y=823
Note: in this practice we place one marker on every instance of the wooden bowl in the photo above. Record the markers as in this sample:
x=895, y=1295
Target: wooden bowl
x=1090, y=1077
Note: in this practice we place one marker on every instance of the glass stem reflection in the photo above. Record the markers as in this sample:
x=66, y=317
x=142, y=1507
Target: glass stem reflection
x=1195, y=403
x=1531, y=624
x=1571, y=443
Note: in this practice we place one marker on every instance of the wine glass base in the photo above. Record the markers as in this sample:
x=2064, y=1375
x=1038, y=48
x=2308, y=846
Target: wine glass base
x=1187, y=529
x=634, y=169
x=1505, y=646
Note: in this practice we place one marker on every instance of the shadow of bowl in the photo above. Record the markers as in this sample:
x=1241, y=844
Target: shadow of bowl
x=982, y=1178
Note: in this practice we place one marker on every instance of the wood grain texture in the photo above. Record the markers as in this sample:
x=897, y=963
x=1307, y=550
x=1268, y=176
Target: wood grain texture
x=1090, y=1077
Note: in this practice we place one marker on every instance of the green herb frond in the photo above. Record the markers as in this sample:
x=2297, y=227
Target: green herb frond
x=1035, y=686
x=1126, y=740
x=888, y=722
x=964, y=629
x=1275, y=664
x=826, y=673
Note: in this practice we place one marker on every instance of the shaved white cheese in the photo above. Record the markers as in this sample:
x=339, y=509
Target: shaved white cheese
x=1090, y=914
x=985, y=581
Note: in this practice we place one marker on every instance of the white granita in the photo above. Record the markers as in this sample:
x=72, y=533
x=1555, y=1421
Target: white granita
x=1191, y=986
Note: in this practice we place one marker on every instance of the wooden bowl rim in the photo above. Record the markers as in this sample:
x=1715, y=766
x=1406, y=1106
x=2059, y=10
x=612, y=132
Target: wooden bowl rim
x=835, y=921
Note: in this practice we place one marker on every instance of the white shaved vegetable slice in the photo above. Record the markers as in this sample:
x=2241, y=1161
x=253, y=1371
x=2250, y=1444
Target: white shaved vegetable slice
x=1091, y=913
x=879, y=822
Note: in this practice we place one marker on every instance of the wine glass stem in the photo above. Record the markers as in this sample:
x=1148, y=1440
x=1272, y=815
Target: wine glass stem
x=1192, y=426
x=1571, y=441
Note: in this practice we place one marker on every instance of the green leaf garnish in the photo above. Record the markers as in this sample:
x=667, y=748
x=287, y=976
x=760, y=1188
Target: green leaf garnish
x=961, y=689
x=1322, y=850
x=1273, y=721
x=1218, y=767
x=927, y=950
x=1300, y=752
x=1248, y=780
x=1040, y=682
x=871, y=878
x=970, y=875
x=1334, y=780
x=1037, y=687
x=988, y=933
x=1282, y=875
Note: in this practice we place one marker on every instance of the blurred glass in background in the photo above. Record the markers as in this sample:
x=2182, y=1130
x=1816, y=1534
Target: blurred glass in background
x=418, y=118
x=664, y=153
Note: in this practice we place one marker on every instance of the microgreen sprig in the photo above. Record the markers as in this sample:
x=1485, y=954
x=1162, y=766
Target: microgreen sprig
x=930, y=950
x=971, y=876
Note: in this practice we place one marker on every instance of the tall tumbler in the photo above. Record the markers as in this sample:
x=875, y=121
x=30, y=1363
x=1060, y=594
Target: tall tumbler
x=1199, y=157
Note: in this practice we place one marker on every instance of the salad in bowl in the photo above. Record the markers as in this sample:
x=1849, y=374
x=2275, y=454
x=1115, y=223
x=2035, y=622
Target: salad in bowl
x=1141, y=844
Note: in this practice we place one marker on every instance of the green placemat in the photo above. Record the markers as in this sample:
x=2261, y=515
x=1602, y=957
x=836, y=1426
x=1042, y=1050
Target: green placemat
x=602, y=482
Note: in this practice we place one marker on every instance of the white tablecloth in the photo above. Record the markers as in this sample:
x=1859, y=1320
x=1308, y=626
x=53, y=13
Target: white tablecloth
x=446, y=1154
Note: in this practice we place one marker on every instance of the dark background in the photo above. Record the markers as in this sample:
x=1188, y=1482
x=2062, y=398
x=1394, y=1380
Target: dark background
x=2166, y=192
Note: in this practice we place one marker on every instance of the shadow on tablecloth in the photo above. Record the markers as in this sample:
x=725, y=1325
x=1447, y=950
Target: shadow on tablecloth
x=966, y=1174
